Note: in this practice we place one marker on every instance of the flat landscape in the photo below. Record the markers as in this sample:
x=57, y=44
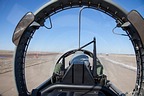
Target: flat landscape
x=119, y=68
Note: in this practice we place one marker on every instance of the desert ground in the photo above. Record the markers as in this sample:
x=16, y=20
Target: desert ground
x=119, y=68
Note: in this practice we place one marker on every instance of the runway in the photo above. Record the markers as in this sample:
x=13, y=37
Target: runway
x=120, y=70
x=123, y=77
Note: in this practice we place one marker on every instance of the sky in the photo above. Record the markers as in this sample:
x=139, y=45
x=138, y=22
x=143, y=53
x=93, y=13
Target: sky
x=64, y=34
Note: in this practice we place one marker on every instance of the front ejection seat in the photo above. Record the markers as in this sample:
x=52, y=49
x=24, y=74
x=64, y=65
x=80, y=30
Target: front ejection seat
x=78, y=72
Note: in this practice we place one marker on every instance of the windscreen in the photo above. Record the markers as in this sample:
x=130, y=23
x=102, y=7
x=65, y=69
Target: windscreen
x=115, y=52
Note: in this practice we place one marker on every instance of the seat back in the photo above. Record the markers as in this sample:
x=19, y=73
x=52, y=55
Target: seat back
x=78, y=74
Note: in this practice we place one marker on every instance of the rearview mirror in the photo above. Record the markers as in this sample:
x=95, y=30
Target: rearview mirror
x=138, y=22
x=27, y=19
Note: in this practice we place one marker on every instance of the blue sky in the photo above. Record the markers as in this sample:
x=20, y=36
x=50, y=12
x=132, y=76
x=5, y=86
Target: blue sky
x=64, y=34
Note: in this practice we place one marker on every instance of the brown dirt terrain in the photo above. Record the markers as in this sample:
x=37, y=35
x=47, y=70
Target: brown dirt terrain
x=6, y=58
x=39, y=67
